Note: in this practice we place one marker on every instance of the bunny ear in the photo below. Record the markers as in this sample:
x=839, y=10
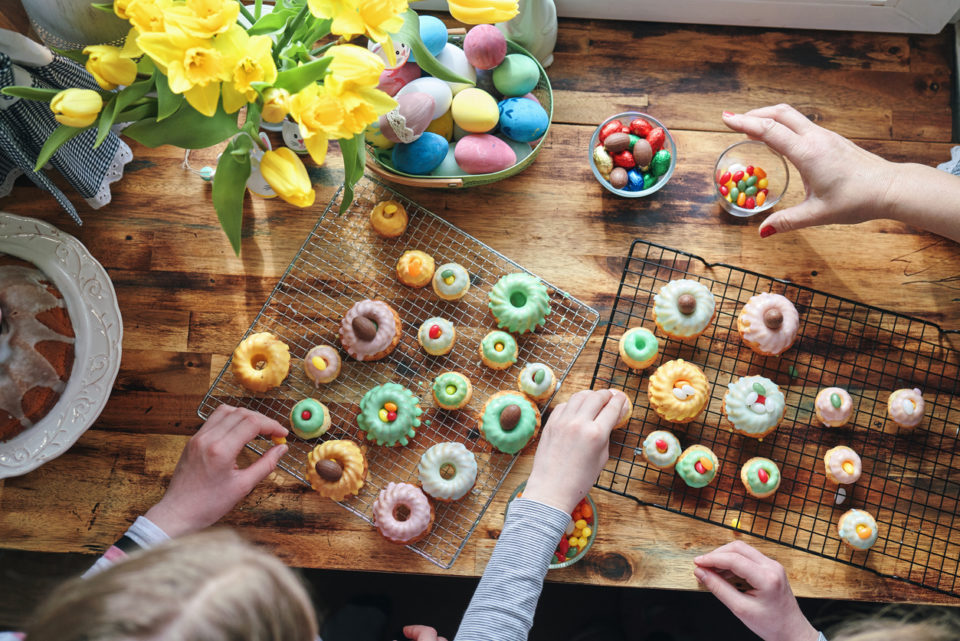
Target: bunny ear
x=806, y=214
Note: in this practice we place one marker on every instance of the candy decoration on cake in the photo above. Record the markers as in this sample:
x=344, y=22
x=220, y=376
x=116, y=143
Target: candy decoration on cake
x=389, y=414
x=858, y=529
x=833, y=406
x=310, y=418
x=906, y=407
x=336, y=469
x=437, y=335
x=754, y=405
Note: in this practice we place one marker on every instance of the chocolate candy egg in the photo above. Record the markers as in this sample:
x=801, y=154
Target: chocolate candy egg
x=421, y=156
x=522, y=120
x=475, y=111
x=409, y=119
x=642, y=153
x=483, y=154
x=521, y=149
x=443, y=126
x=517, y=74
x=435, y=88
x=660, y=163
x=603, y=161
x=485, y=46
x=618, y=177
x=434, y=35
x=453, y=58
x=635, y=181
x=448, y=166
x=617, y=142
x=393, y=80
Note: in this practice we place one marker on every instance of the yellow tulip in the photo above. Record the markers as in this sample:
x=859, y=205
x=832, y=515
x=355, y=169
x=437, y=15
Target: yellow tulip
x=352, y=66
x=284, y=171
x=252, y=62
x=483, y=11
x=203, y=18
x=376, y=19
x=108, y=66
x=275, y=104
x=76, y=107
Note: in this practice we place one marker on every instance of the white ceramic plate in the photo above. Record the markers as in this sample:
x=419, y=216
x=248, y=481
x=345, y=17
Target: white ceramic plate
x=92, y=305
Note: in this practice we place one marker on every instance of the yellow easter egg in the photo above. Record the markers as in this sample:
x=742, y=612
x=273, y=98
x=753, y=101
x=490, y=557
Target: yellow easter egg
x=443, y=126
x=475, y=111
x=376, y=138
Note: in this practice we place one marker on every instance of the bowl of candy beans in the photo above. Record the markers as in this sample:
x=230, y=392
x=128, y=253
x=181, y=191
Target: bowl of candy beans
x=632, y=154
x=579, y=536
x=750, y=178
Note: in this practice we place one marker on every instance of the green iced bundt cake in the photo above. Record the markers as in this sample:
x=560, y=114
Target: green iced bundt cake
x=519, y=302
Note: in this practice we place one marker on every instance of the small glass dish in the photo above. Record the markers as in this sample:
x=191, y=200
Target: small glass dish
x=582, y=550
x=752, y=153
x=668, y=144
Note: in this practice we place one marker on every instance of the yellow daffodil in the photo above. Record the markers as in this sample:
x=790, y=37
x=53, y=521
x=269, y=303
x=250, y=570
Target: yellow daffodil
x=376, y=19
x=483, y=11
x=203, y=18
x=76, y=107
x=275, y=103
x=252, y=63
x=284, y=171
x=120, y=8
x=320, y=116
x=146, y=16
x=108, y=66
x=352, y=67
x=194, y=66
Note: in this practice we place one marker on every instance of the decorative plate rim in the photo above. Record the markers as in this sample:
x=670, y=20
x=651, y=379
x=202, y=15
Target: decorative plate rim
x=92, y=304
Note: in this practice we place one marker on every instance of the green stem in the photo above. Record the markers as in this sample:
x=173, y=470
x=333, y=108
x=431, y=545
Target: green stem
x=316, y=52
x=288, y=32
x=246, y=14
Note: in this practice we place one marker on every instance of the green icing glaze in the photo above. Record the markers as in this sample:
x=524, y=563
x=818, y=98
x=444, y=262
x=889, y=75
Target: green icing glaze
x=756, y=485
x=312, y=426
x=686, y=466
x=519, y=302
x=640, y=344
x=513, y=441
x=450, y=388
x=489, y=343
x=389, y=433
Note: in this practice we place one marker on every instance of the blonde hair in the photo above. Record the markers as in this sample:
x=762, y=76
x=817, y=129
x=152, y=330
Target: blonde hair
x=897, y=623
x=212, y=586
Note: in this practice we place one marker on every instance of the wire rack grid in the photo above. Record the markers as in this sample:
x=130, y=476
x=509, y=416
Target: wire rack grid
x=911, y=478
x=343, y=261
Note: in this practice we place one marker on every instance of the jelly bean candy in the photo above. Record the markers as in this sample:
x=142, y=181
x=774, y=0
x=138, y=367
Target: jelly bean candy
x=725, y=178
x=660, y=163
x=611, y=127
x=656, y=138
x=724, y=190
x=603, y=161
x=640, y=127
x=751, y=181
x=635, y=181
x=759, y=173
x=750, y=203
x=563, y=546
x=737, y=177
x=624, y=159
x=741, y=199
x=741, y=184
x=574, y=552
x=734, y=193
x=762, y=183
x=761, y=198
x=750, y=191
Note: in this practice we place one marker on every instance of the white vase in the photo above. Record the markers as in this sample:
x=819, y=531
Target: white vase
x=74, y=24
x=534, y=29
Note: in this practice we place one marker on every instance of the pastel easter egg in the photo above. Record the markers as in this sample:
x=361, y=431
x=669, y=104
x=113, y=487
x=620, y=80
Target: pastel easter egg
x=530, y=96
x=393, y=80
x=448, y=166
x=453, y=58
x=433, y=33
x=375, y=137
x=409, y=119
x=517, y=74
x=443, y=126
x=522, y=120
x=485, y=46
x=483, y=154
x=521, y=149
x=475, y=111
x=436, y=88
x=421, y=156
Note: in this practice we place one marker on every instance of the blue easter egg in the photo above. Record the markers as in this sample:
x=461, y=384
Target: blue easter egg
x=634, y=180
x=522, y=119
x=421, y=156
x=434, y=35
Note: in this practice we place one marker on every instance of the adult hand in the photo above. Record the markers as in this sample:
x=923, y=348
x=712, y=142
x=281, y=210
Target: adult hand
x=769, y=609
x=573, y=448
x=844, y=183
x=421, y=633
x=207, y=481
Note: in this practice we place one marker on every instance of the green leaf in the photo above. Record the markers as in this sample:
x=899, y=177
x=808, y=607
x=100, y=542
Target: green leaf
x=54, y=141
x=229, y=184
x=139, y=112
x=187, y=128
x=76, y=55
x=167, y=101
x=145, y=66
x=31, y=93
x=293, y=80
x=272, y=22
x=354, y=156
x=409, y=34
x=117, y=103
x=106, y=7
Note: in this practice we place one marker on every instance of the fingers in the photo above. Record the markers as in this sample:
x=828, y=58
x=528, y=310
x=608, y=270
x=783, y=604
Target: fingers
x=593, y=402
x=224, y=418
x=740, y=548
x=737, y=563
x=728, y=595
x=778, y=136
x=420, y=633
x=249, y=426
x=610, y=415
x=557, y=412
x=786, y=115
x=806, y=214
x=259, y=469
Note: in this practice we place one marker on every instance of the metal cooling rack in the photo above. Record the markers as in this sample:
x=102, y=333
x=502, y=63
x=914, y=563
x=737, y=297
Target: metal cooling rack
x=911, y=478
x=344, y=261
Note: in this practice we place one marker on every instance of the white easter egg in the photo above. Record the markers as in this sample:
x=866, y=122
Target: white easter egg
x=436, y=88
x=453, y=58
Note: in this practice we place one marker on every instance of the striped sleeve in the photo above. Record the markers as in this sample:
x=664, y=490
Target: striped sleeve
x=143, y=534
x=503, y=605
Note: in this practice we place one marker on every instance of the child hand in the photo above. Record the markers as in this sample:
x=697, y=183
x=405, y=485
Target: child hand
x=573, y=448
x=769, y=609
x=207, y=482
x=421, y=633
x=844, y=183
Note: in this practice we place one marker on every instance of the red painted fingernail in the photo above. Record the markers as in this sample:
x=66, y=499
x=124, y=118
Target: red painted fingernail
x=767, y=231
x=727, y=114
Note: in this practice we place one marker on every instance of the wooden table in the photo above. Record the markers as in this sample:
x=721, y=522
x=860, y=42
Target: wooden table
x=186, y=298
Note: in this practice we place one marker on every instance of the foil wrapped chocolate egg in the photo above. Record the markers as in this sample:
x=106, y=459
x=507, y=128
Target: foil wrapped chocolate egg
x=409, y=119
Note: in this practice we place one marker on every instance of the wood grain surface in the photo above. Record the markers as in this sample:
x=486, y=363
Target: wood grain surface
x=186, y=299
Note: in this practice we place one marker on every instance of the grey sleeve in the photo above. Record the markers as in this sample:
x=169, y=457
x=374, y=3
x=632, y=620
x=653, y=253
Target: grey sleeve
x=503, y=605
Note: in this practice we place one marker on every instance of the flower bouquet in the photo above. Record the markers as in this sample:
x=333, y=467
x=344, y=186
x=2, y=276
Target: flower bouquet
x=195, y=73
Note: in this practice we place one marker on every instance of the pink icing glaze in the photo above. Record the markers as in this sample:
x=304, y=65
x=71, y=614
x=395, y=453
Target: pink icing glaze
x=767, y=340
x=836, y=457
x=393, y=496
x=382, y=315
x=902, y=402
x=830, y=413
x=329, y=355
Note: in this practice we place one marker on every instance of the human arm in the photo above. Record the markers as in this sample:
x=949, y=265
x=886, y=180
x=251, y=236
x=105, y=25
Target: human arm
x=573, y=448
x=845, y=183
x=769, y=608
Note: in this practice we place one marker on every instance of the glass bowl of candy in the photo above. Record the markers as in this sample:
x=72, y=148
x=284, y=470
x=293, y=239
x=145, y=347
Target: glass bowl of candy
x=632, y=154
x=750, y=178
x=579, y=536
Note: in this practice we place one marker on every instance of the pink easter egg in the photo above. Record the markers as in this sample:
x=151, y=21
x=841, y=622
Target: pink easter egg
x=483, y=154
x=485, y=46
